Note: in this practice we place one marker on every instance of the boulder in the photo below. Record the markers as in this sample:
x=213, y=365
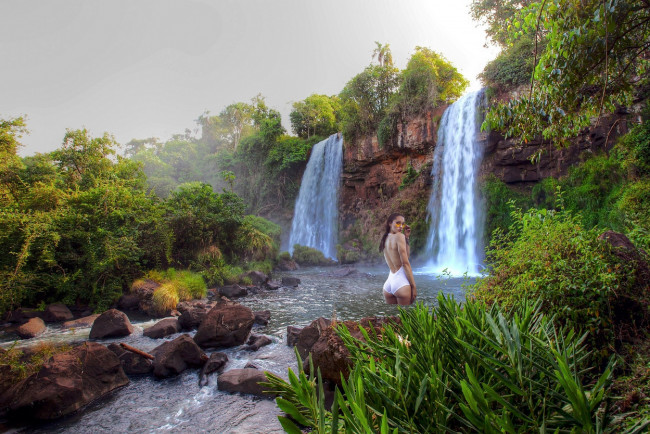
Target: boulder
x=287, y=265
x=226, y=325
x=244, y=381
x=330, y=354
x=31, y=329
x=292, y=335
x=84, y=322
x=21, y=315
x=272, y=286
x=111, y=323
x=255, y=342
x=57, y=312
x=143, y=289
x=132, y=363
x=129, y=302
x=162, y=328
x=307, y=336
x=262, y=317
x=67, y=382
x=290, y=281
x=232, y=291
x=192, y=313
x=173, y=357
x=215, y=363
x=257, y=277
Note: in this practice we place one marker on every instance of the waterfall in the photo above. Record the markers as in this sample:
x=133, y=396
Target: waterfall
x=315, y=216
x=455, y=210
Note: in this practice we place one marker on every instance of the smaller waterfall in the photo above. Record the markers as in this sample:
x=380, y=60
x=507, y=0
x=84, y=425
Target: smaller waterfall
x=315, y=216
x=455, y=211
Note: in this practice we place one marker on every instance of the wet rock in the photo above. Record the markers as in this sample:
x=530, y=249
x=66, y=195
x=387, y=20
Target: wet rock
x=252, y=290
x=251, y=365
x=31, y=329
x=67, y=382
x=292, y=335
x=255, y=342
x=57, y=312
x=287, y=265
x=330, y=354
x=111, y=323
x=262, y=317
x=257, y=277
x=244, y=381
x=173, y=357
x=129, y=302
x=226, y=325
x=132, y=363
x=215, y=363
x=232, y=291
x=192, y=313
x=272, y=286
x=86, y=321
x=144, y=289
x=162, y=328
x=290, y=281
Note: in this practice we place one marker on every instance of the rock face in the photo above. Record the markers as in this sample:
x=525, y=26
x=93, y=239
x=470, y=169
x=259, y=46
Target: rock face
x=66, y=383
x=111, y=323
x=57, y=312
x=31, y=328
x=243, y=381
x=133, y=364
x=226, y=325
x=173, y=357
x=162, y=328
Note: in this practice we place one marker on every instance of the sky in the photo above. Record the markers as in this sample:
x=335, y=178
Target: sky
x=150, y=68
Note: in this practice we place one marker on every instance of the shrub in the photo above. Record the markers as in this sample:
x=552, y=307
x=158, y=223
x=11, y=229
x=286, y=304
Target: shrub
x=409, y=177
x=165, y=298
x=264, y=266
x=175, y=286
x=550, y=256
x=284, y=256
x=254, y=245
x=455, y=369
x=304, y=255
x=222, y=274
x=498, y=197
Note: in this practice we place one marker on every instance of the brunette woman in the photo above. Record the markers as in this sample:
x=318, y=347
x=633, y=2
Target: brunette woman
x=400, y=285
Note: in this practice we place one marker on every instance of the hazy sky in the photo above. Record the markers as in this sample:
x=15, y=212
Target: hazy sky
x=143, y=68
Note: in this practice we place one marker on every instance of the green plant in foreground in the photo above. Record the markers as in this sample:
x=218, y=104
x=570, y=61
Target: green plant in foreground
x=456, y=368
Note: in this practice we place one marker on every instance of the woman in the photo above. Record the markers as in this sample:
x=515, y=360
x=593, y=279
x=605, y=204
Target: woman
x=400, y=286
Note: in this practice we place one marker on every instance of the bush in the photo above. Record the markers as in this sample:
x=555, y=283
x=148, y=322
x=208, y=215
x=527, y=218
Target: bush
x=304, y=255
x=174, y=286
x=498, y=199
x=513, y=67
x=223, y=274
x=284, y=256
x=409, y=177
x=548, y=255
x=455, y=369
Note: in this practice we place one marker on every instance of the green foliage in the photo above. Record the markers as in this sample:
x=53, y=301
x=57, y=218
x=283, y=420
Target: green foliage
x=548, y=255
x=455, y=368
x=592, y=61
x=499, y=199
x=635, y=150
x=633, y=209
x=512, y=67
x=316, y=115
x=175, y=286
x=284, y=256
x=345, y=256
x=304, y=255
x=409, y=177
x=222, y=274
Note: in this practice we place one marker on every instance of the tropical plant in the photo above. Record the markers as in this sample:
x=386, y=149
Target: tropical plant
x=460, y=368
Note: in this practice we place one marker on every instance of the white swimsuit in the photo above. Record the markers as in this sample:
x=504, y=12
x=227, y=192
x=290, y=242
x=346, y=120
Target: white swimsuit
x=395, y=281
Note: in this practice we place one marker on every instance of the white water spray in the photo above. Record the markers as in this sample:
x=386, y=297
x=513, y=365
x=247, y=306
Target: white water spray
x=455, y=210
x=315, y=216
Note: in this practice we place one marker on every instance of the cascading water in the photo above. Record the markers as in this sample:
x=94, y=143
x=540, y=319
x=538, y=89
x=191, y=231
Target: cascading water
x=316, y=212
x=455, y=210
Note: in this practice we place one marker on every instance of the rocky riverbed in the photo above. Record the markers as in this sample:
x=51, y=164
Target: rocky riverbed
x=192, y=401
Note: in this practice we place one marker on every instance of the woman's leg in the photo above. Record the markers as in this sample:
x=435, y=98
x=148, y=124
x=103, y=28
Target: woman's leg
x=403, y=295
x=390, y=298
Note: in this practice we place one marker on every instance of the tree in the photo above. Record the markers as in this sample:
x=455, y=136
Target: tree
x=315, y=115
x=383, y=54
x=594, y=59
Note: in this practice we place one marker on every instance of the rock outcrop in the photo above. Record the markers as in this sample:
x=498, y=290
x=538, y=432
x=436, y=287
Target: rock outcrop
x=67, y=382
x=226, y=325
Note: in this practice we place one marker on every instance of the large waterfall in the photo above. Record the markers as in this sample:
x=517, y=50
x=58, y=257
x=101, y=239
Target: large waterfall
x=315, y=216
x=455, y=211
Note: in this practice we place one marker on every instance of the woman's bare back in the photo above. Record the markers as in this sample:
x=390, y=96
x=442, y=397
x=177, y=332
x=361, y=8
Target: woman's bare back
x=391, y=252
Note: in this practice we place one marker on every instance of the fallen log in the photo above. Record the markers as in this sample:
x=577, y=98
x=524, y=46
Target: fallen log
x=137, y=351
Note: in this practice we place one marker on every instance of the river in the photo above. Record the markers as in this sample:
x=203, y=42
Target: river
x=180, y=405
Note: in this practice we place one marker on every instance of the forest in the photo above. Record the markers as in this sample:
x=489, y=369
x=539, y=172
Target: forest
x=554, y=337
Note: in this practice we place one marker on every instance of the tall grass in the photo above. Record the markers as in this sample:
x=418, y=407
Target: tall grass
x=175, y=286
x=456, y=368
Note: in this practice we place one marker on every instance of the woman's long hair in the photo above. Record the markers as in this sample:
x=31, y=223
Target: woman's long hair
x=391, y=219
